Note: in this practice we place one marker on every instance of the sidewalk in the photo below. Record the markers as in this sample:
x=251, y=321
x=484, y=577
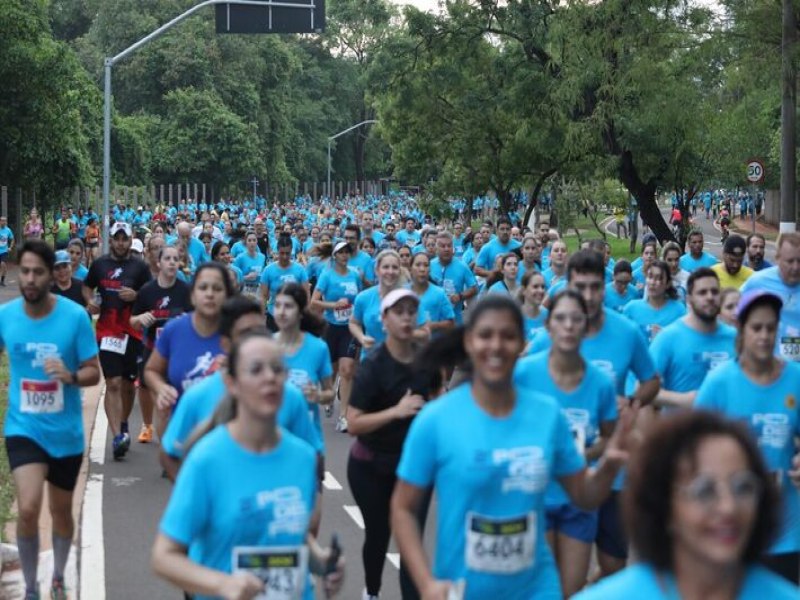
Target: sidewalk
x=11, y=583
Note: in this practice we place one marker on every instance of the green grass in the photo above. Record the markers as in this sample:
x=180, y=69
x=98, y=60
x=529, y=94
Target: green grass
x=620, y=248
x=6, y=487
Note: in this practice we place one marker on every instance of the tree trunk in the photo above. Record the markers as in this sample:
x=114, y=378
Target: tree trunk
x=645, y=194
x=533, y=199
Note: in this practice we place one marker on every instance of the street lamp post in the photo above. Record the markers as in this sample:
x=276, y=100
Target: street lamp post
x=330, y=141
x=111, y=61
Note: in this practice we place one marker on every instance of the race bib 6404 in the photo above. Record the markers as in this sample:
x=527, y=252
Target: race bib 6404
x=282, y=569
x=500, y=546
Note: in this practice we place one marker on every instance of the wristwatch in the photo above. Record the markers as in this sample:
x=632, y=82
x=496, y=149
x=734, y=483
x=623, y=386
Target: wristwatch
x=74, y=378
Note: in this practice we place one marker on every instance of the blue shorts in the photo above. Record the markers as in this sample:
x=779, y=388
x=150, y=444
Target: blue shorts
x=611, y=537
x=572, y=521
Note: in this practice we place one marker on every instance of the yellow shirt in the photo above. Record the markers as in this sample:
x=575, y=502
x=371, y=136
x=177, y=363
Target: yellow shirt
x=726, y=280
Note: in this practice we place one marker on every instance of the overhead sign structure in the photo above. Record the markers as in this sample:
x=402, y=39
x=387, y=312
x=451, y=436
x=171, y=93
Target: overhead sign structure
x=755, y=171
x=286, y=16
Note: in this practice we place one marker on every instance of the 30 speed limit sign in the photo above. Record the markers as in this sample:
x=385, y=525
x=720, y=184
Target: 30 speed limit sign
x=755, y=171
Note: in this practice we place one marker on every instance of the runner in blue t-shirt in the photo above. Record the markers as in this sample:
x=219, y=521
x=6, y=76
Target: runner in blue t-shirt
x=365, y=324
x=278, y=273
x=587, y=399
x=491, y=472
x=244, y=499
x=251, y=263
x=661, y=307
x=306, y=356
x=696, y=257
x=620, y=292
x=502, y=244
x=700, y=508
x=6, y=245
x=52, y=353
x=761, y=390
x=533, y=293
x=435, y=313
x=452, y=275
x=688, y=349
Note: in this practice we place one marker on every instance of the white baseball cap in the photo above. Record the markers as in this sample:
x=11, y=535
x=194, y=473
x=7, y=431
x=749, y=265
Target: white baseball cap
x=120, y=226
x=137, y=246
x=395, y=296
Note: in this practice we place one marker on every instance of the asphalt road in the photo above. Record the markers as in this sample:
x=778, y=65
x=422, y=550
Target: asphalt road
x=135, y=494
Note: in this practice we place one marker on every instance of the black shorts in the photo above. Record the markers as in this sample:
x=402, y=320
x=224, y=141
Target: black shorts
x=61, y=472
x=340, y=342
x=140, y=365
x=4, y=257
x=91, y=245
x=122, y=365
x=611, y=537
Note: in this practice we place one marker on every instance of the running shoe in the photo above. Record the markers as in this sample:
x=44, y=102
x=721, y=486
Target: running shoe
x=32, y=595
x=367, y=596
x=58, y=590
x=341, y=425
x=120, y=445
x=146, y=434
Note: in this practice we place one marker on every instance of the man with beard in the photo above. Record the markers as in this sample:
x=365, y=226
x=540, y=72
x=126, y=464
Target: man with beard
x=685, y=351
x=52, y=354
x=756, y=245
x=117, y=277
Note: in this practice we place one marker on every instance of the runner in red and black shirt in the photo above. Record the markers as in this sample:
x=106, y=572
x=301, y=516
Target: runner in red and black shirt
x=158, y=301
x=117, y=277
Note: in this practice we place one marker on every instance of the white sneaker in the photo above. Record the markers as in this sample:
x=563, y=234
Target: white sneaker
x=366, y=596
x=341, y=425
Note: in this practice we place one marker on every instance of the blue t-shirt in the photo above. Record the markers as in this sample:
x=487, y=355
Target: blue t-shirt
x=617, y=348
x=616, y=301
x=641, y=580
x=227, y=496
x=434, y=305
x=689, y=263
x=499, y=287
x=334, y=286
x=309, y=365
x=274, y=276
x=190, y=357
x=81, y=272
x=534, y=324
x=364, y=264
x=200, y=401
x=787, y=344
x=492, y=250
x=367, y=311
x=6, y=237
x=647, y=316
x=587, y=406
x=772, y=414
x=684, y=356
x=454, y=278
x=250, y=264
x=43, y=410
x=550, y=278
x=491, y=473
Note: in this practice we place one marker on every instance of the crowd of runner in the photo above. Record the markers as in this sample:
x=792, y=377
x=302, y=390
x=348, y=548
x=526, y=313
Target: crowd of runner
x=560, y=405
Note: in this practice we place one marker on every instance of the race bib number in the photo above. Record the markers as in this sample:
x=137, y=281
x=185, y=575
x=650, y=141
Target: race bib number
x=343, y=314
x=41, y=397
x=282, y=569
x=118, y=345
x=579, y=437
x=790, y=348
x=500, y=546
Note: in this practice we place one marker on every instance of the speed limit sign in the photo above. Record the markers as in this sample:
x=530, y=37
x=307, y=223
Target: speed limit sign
x=755, y=171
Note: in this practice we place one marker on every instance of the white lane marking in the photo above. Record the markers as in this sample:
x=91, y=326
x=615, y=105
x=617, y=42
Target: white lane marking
x=330, y=482
x=355, y=514
x=92, y=559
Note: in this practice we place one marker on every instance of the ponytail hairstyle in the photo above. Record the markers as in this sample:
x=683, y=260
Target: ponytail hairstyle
x=309, y=322
x=227, y=409
x=447, y=350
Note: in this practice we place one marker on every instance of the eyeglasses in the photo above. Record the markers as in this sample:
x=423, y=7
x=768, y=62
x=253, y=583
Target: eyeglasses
x=744, y=487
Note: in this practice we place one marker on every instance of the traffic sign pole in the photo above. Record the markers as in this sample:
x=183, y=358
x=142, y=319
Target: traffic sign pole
x=755, y=175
